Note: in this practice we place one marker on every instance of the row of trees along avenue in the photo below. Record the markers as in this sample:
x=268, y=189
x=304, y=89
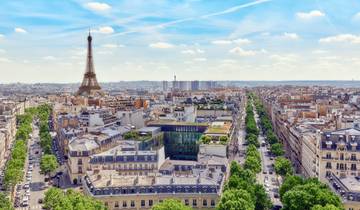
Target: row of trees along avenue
x=241, y=192
x=296, y=193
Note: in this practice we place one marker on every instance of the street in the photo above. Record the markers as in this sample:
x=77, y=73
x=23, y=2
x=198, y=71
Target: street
x=267, y=177
x=33, y=187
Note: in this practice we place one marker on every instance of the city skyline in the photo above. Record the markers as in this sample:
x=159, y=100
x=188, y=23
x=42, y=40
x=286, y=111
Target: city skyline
x=153, y=40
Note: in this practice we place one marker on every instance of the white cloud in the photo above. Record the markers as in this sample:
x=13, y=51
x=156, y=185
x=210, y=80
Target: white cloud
x=292, y=36
x=2, y=51
x=229, y=61
x=200, y=59
x=192, y=52
x=2, y=36
x=284, y=58
x=242, y=52
x=356, y=16
x=112, y=46
x=105, y=30
x=310, y=15
x=345, y=38
x=200, y=51
x=226, y=42
x=221, y=42
x=242, y=41
x=319, y=51
x=161, y=45
x=20, y=30
x=189, y=52
x=97, y=6
x=4, y=60
x=49, y=58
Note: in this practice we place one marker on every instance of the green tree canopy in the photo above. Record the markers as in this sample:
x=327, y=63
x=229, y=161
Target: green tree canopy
x=170, y=204
x=236, y=200
x=283, y=166
x=57, y=199
x=327, y=207
x=252, y=163
x=289, y=183
x=5, y=203
x=277, y=149
x=48, y=163
x=308, y=196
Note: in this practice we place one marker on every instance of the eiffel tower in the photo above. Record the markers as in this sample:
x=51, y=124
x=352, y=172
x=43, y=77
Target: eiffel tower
x=89, y=85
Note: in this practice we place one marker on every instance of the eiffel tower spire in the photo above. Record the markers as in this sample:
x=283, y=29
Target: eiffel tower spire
x=89, y=85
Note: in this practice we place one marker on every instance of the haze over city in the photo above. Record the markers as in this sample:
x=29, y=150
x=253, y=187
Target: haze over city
x=180, y=105
x=194, y=39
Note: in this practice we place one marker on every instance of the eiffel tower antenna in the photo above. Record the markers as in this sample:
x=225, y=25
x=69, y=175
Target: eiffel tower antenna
x=89, y=85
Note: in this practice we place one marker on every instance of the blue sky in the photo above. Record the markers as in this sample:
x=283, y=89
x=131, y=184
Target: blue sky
x=45, y=41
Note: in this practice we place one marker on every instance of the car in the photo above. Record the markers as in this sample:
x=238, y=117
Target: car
x=26, y=186
x=277, y=207
x=40, y=201
x=271, y=158
x=276, y=195
x=264, y=172
x=270, y=172
x=25, y=203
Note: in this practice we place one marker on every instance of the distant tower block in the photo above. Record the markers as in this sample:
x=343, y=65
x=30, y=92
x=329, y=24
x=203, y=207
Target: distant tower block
x=89, y=85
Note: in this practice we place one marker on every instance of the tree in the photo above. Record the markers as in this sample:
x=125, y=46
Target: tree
x=223, y=139
x=252, y=163
x=170, y=204
x=205, y=139
x=48, y=163
x=289, y=183
x=283, y=166
x=235, y=168
x=262, y=201
x=327, y=207
x=252, y=139
x=236, y=200
x=131, y=135
x=277, y=149
x=271, y=137
x=57, y=199
x=309, y=195
x=5, y=203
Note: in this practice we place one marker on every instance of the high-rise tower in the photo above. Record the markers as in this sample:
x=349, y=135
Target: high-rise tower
x=89, y=85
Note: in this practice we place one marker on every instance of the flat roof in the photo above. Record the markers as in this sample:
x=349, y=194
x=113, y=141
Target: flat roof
x=173, y=122
x=351, y=183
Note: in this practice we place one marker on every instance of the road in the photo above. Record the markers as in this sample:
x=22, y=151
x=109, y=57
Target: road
x=267, y=177
x=33, y=178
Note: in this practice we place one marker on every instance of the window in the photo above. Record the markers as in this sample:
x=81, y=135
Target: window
x=341, y=156
x=353, y=156
x=353, y=167
x=150, y=202
x=341, y=166
x=212, y=203
x=186, y=202
x=204, y=202
x=79, y=161
x=132, y=204
x=194, y=202
x=124, y=204
x=116, y=204
x=328, y=165
x=142, y=203
x=328, y=155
